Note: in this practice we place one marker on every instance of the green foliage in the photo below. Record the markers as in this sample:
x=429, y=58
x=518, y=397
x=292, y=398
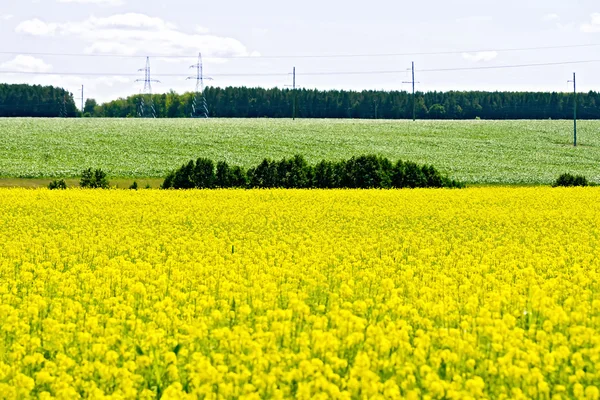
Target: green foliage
x=364, y=172
x=223, y=175
x=239, y=177
x=169, y=181
x=567, y=180
x=94, y=179
x=204, y=174
x=57, y=184
x=244, y=102
x=184, y=177
x=36, y=101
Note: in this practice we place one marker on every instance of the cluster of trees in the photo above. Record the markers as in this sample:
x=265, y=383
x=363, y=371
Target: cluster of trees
x=243, y=102
x=364, y=172
x=36, y=101
x=568, y=180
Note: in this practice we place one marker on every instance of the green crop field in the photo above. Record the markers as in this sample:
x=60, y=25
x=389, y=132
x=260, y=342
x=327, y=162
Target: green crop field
x=486, y=152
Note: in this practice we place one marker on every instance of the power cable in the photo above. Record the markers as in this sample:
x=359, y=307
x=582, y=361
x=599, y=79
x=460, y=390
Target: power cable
x=427, y=53
x=324, y=73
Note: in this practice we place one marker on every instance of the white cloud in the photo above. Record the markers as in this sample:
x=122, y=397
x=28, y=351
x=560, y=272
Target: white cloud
x=6, y=17
x=566, y=27
x=551, y=17
x=140, y=34
x=481, y=56
x=129, y=20
x=110, y=48
x=101, y=2
x=593, y=26
x=36, y=27
x=202, y=30
x=26, y=64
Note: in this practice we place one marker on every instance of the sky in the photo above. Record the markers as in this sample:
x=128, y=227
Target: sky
x=258, y=43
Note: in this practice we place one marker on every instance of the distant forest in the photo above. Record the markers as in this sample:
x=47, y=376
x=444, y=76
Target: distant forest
x=243, y=102
x=36, y=101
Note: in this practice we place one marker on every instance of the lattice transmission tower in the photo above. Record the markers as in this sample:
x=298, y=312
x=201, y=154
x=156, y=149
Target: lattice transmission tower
x=146, y=109
x=199, y=104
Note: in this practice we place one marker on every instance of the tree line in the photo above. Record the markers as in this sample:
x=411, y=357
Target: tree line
x=244, y=102
x=36, y=101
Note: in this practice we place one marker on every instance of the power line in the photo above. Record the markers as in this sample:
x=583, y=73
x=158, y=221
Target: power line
x=322, y=73
x=426, y=53
x=511, y=66
x=117, y=74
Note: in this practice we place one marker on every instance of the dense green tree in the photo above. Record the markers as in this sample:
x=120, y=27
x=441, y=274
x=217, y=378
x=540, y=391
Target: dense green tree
x=90, y=107
x=243, y=102
x=36, y=101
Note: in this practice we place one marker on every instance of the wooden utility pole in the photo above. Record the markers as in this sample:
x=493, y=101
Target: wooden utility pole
x=414, y=99
x=574, y=110
x=295, y=95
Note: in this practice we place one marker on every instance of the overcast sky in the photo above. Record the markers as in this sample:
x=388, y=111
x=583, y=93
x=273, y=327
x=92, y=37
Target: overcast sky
x=257, y=32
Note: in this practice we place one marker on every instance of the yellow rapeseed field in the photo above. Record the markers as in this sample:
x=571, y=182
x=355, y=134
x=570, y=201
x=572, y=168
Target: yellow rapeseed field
x=478, y=293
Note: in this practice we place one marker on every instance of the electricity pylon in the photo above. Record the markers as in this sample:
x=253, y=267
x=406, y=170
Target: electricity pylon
x=199, y=104
x=147, y=111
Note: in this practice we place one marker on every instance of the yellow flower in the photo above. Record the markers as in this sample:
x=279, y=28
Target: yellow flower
x=300, y=294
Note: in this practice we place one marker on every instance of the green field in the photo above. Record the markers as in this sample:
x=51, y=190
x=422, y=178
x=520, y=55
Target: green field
x=480, y=152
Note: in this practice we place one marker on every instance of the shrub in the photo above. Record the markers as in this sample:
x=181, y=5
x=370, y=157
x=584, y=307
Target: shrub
x=134, y=186
x=183, y=178
x=101, y=179
x=432, y=177
x=361, y=172
x=94, y=179
x=299, y=174
x=223, y=176
x=57, y=185
x=87, y=178
x=169, y=181
x=264, y=176
x=204, y=174
x=413, y=176
x=567, y=180
x=323, y=177
x=239, y=178
x=366, y=172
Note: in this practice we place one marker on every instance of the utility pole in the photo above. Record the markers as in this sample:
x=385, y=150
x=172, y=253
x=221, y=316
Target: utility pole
x=82, y=100
x=414, y=101
x=413, y=85
x=574, y=110
x=295, y=94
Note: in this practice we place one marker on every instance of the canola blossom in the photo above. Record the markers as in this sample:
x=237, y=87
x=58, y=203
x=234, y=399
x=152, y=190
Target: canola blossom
x=479, y=293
